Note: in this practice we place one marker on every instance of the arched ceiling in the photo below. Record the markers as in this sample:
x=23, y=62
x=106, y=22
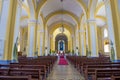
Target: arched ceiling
x=100, y=14
x=70, y=7
x=57, y=18
x=24, y=18
x=55, y=5
x=56, y=25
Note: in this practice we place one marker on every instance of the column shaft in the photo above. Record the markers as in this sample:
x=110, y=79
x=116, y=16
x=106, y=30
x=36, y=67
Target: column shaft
x=10, y=30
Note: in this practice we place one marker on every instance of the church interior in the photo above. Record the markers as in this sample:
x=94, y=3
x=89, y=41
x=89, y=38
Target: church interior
x=59, y=40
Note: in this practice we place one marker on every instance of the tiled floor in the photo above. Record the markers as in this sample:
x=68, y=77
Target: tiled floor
x=64, y=72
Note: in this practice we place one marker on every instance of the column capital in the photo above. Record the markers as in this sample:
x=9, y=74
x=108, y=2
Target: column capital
x=91, y=21
x=41, y=31
x=81, y=31
x=33, y=21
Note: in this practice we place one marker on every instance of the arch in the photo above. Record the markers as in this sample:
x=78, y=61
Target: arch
x=31, y=9
x=92, y=9
x=80, y=20
x=56, y=25
x=26, y=9
x=98, y=7
x=61, y=37
x=101, y=17
x=40, y=5
x=82, y=5
x=24, y=17
x=60, y=12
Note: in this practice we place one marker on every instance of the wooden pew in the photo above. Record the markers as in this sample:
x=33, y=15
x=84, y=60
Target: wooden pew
x=103, y=74
x=46, y=61
x=35, y=73
x=41, y=67
x=15, y=77
x=4, y=71
x=115, y=77
x=90, y=69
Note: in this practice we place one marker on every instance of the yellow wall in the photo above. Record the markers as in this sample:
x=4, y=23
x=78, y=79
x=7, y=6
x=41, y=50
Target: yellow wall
x=55, y=33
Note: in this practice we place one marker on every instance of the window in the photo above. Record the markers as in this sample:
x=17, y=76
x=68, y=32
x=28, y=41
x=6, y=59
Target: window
x=105, y=33
x=106, y=46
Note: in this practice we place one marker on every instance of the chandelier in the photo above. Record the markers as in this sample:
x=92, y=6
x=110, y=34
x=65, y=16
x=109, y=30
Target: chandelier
x=62, y=26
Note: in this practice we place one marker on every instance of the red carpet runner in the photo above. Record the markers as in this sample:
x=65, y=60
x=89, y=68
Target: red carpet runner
x=62, y=61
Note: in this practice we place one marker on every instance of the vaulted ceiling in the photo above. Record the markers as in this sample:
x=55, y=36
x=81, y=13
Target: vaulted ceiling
x=67, y=10
x=72, y=10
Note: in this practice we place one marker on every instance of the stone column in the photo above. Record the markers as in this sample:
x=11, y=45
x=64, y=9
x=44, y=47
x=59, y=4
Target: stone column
x=77, y=41
x=3, y=26
x=83, y=42
x=31, y=37
x=113, y=23
x=93, y=34
x=46, y=41
x=11, y=27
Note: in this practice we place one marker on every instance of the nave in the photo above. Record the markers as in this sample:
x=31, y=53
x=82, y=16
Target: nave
x=64, y=72
x=69, y=68
x=34, y=32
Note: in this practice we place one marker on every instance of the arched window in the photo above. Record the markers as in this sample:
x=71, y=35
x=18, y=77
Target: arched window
x=106, y=46
x=105, y=33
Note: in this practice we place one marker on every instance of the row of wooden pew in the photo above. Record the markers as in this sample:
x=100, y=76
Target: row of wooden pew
x=28, y=68
x=96, y=68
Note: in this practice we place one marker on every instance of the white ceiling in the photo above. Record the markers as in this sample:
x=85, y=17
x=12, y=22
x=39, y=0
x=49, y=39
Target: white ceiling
x=24, y=13
x=60, y=18
x=55, y=5
x=71, y=6
x=24, y=22
x=101, y=12
x=51, y=6
x=100, y=22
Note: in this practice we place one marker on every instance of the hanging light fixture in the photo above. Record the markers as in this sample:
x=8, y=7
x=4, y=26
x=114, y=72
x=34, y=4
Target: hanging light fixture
x=62, y=26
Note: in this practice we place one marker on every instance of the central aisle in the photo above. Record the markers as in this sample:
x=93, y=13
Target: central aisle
x=64, y=72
